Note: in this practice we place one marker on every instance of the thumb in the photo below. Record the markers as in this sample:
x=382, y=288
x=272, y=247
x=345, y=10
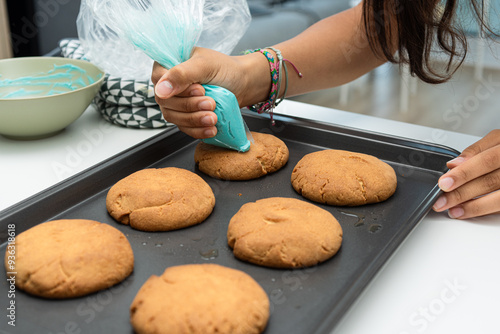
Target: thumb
x=180, y=78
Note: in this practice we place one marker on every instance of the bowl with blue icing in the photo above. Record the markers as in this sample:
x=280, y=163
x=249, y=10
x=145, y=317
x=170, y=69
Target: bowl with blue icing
x=41, y=96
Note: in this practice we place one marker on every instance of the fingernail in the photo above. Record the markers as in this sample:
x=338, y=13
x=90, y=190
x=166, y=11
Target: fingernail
x=456, y=161
x=164, y=89
x=207, y=121
x=196, y=92
x=456, y=212
x=209, y=133
x=205, y=105
x=441, y=202
x=446, y=183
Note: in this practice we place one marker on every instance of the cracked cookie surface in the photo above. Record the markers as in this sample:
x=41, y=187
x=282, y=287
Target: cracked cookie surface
x=160, y=199
x=200, y=298
x=267, y=154
x=284, y=233
x=343, y=178
x=71, y=258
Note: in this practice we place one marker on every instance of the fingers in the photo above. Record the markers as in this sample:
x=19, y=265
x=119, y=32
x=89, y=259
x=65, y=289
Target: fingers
x=477, y=207
x=183, y=102
x=158, y=72
x=455, y=162
x=466, y=201
x=164, y=88
x=191, y=119
x=469, y=169
x=199, y=133
x=180, y=78
x=490, y=140
x=187, y=104
x=160, y=77
x=471, y=186
x=193, y=90
x=199, y=124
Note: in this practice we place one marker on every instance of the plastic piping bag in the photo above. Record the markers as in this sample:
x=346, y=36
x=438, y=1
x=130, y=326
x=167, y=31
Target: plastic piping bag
x=168, y=30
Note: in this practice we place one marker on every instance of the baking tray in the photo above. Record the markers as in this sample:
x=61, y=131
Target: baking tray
x=310, y=300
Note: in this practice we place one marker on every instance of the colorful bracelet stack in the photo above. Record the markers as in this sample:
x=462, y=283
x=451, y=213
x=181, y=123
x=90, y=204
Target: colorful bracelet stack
x=276, y=67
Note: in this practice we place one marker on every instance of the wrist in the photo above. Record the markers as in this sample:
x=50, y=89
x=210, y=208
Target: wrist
x=256, y=79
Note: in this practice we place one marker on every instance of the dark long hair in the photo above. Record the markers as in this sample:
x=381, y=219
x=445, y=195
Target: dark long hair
x=414, y=28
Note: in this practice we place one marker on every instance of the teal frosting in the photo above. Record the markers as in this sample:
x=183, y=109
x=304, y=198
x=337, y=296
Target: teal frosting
x=60, y=79
x=183, y=30
x=230, y=126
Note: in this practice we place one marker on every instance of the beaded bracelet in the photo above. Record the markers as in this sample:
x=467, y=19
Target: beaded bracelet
x=280, y=68
x=276, y=67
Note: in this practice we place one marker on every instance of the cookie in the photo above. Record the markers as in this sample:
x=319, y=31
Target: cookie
x=200, y=298
x=343, y=178
x=283, y=233
x=160, y=199
x=70, y=258
x=267, y=154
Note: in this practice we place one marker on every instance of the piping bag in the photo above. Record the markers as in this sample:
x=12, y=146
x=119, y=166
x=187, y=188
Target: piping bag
x=168, y=30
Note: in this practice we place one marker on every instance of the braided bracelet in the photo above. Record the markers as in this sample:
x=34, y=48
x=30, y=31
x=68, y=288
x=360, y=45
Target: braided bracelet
x=273, y=93
x=276, y=68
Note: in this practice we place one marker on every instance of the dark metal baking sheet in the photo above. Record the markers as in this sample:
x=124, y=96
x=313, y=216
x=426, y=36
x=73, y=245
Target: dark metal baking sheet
x=310, y=300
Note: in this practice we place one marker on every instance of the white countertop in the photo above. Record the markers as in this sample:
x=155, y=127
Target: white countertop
x=443, y=279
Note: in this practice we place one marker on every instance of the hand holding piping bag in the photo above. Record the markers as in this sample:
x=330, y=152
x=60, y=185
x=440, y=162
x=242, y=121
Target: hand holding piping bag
x=168, y=31
x=182, y=99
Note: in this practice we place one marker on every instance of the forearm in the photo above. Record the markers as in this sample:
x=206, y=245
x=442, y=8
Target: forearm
x=330, y=53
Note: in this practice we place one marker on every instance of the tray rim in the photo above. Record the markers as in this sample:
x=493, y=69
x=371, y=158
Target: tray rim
x=328, y=126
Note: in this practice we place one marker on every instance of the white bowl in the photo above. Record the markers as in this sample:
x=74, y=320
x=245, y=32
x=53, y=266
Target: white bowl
x=31, y=108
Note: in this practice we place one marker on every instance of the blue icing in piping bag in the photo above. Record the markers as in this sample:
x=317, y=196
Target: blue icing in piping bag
x=167, y=31
x=231, y=132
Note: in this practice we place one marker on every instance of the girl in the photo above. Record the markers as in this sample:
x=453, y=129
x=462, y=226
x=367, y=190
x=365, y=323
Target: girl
x=333, y=52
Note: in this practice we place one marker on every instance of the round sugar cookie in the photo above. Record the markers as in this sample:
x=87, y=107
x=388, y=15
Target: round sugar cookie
x=267, y=154
x=283, y=233
x=70, y=258
x=343, y=178
x=160, y=199
x=200, y=299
